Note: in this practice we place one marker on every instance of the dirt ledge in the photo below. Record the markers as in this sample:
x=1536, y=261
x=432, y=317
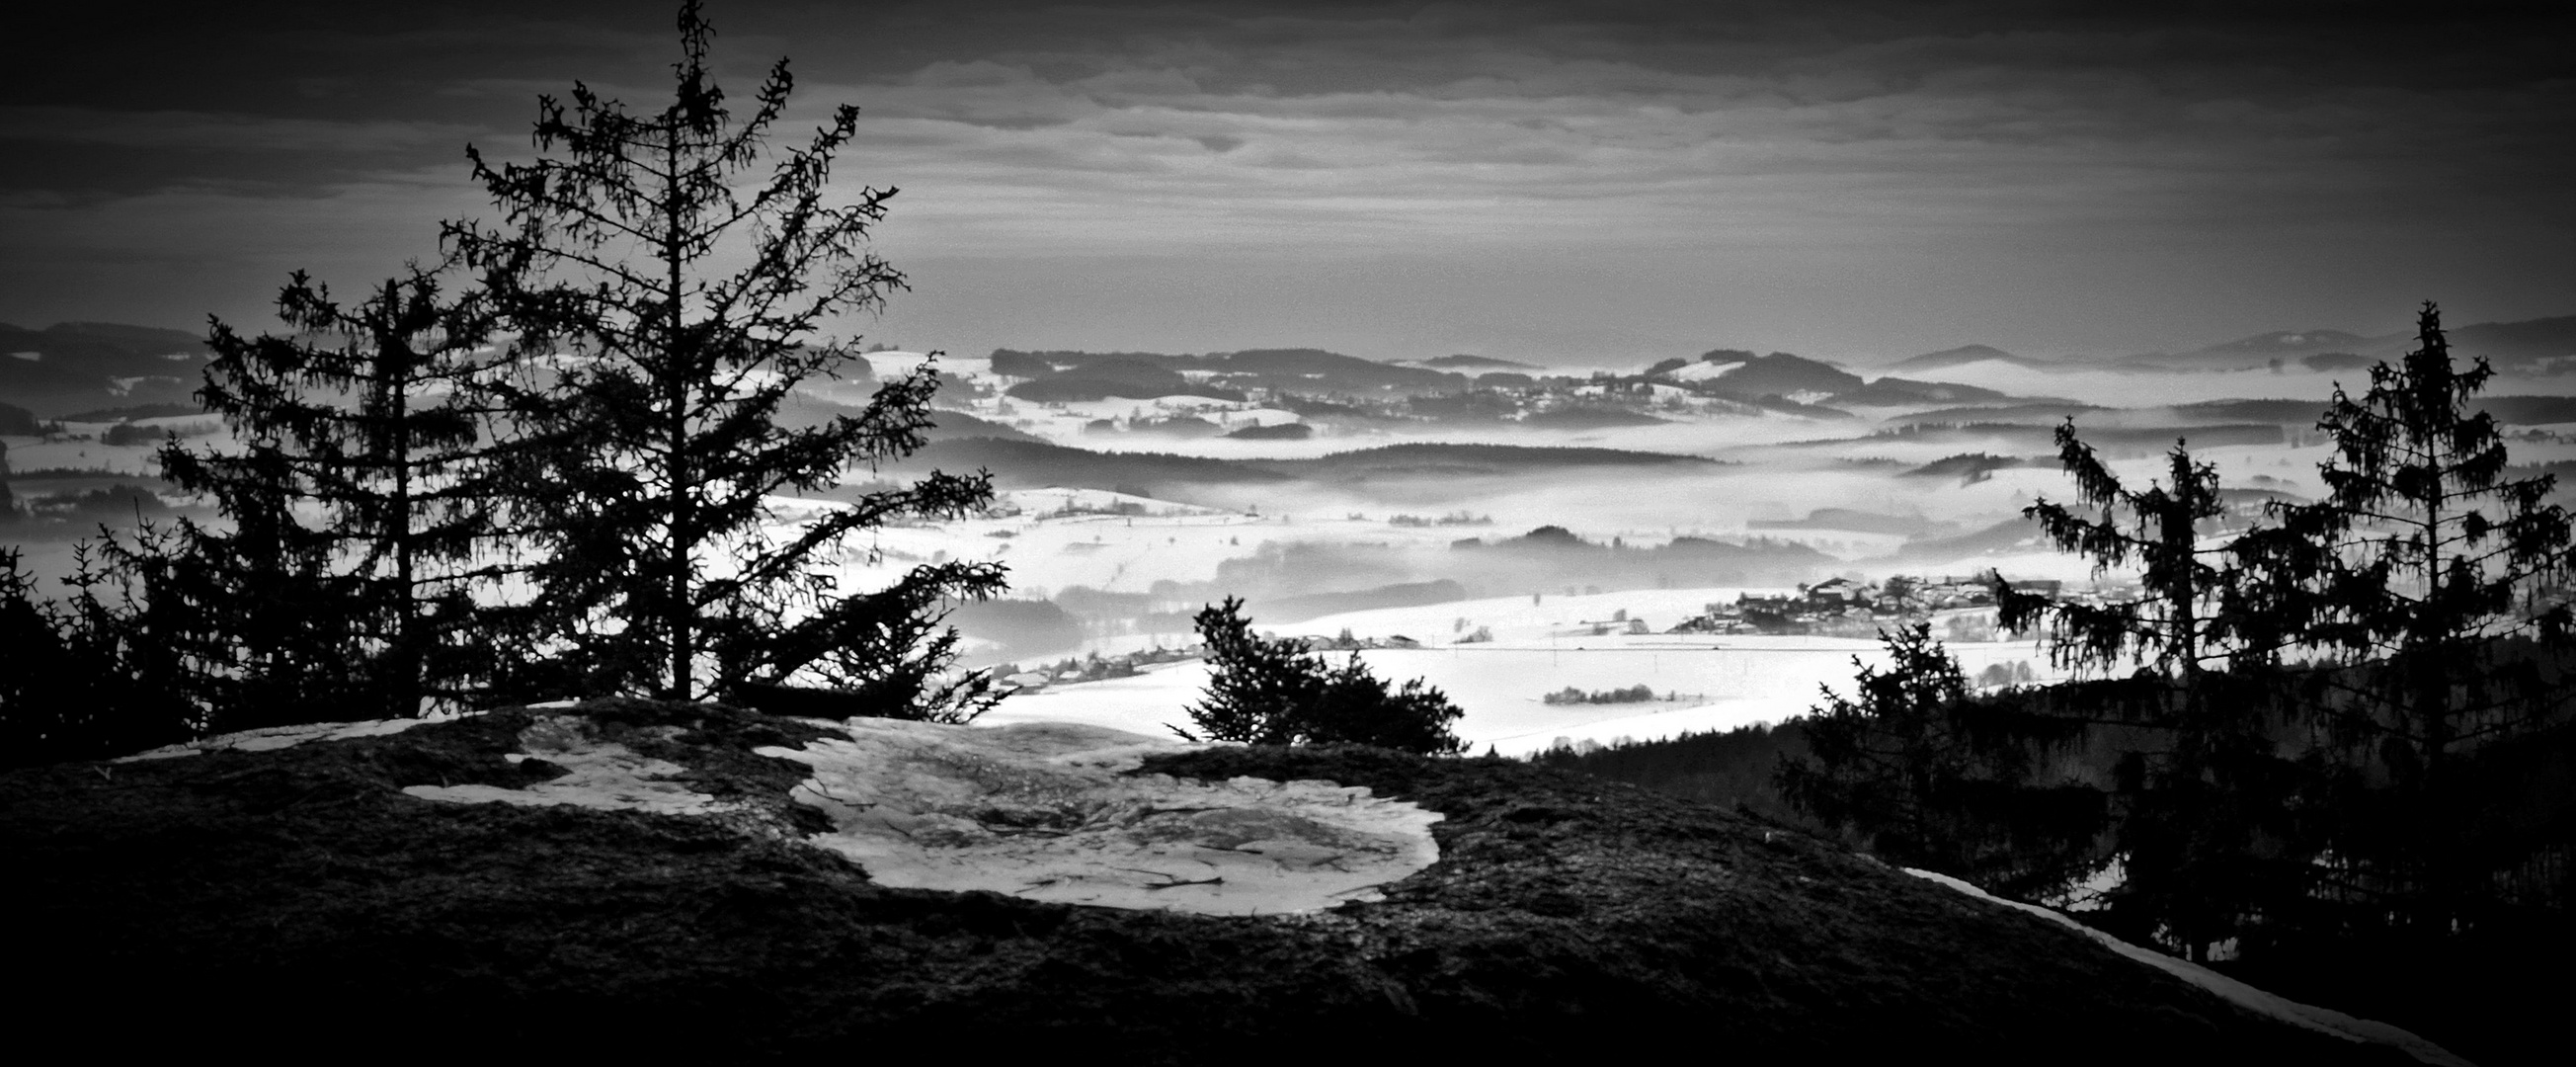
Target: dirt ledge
x=296, y=902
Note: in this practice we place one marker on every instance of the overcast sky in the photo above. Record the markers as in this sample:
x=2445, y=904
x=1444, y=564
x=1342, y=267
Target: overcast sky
x=1580, y=183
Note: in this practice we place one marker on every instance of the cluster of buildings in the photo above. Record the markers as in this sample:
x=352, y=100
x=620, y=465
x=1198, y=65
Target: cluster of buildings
x=1841, y=603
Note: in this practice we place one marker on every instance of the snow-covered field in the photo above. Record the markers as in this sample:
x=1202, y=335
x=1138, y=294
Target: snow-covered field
x=1721, y=682
x=1738, y=682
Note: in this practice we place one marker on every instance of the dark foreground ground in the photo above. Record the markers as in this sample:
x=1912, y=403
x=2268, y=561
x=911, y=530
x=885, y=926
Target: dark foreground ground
x=296, y=903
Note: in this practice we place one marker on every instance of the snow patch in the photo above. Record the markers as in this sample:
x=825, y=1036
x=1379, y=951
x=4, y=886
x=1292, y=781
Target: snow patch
x=1701, y=372
x=603, y=775
x=276, y=737
x=1041, y=811
x=2322, y=1020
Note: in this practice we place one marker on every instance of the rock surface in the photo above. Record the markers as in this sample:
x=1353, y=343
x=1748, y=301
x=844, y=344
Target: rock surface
x=309, y=899
x=1043, y=812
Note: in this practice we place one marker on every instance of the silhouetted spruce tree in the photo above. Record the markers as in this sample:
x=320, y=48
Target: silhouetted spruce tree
x=29, y=651
x=360, y=513
x=2428, y=583
x=1271, y=691
x=1922, y=774
x=2199, y=790
x=84, y=678
x=666, y=289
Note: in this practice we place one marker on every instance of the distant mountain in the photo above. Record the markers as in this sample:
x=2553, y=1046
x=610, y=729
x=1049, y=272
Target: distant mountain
x=1315, y=370
x=1964, y=355
x=1039, y=465
x=1116, y=376
x=2529, y=341
x=1440, y=460
x=1773, y=379
x=2260, y=351
x=2290, y=343
x=1969, y=465
x=1778, y=374
x=2507, y=344
x=1893, y=391
x=77, y=365
x=1449, y=362
x=1305, y=370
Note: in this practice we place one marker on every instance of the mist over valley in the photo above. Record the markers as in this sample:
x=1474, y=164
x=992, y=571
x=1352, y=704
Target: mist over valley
x=1412, y=500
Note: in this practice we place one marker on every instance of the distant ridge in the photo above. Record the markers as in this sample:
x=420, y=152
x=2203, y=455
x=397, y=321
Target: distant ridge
x=1775, y=380
x=73, y=366
x=1038, y=464
x=1963, y=355
x=1445, y=362
x=1300, y=370
x=1738, y=373
x=2290, y=342
x=2251, y=353
x=1434, y=459
x=2508, y=344
x=2517, y=342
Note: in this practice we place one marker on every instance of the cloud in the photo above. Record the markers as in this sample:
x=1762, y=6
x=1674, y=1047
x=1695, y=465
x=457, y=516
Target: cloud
x=1721, y=139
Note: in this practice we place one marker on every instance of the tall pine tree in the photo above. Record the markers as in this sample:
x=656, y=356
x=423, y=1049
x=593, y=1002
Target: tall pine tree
x=667, y=277
x=360, y=509
x=2423, y=585
x=2195, y=827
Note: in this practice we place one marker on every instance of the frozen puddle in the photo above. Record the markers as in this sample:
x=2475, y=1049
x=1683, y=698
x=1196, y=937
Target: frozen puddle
x=1040, y=810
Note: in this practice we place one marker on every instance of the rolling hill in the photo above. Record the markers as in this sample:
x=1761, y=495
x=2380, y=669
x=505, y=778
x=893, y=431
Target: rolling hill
x=1468, y=362
x=1742, y=376
x=1037, y=465
x=1031, y=464
x=73, y=366
x=2530, y=340
x=2508, y=344
x=1436, y=460
x=1303, y=370
x=1964, y=355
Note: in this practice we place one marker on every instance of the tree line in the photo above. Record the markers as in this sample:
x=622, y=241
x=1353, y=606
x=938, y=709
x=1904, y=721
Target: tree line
x=533, y=468
x=2337, y=739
